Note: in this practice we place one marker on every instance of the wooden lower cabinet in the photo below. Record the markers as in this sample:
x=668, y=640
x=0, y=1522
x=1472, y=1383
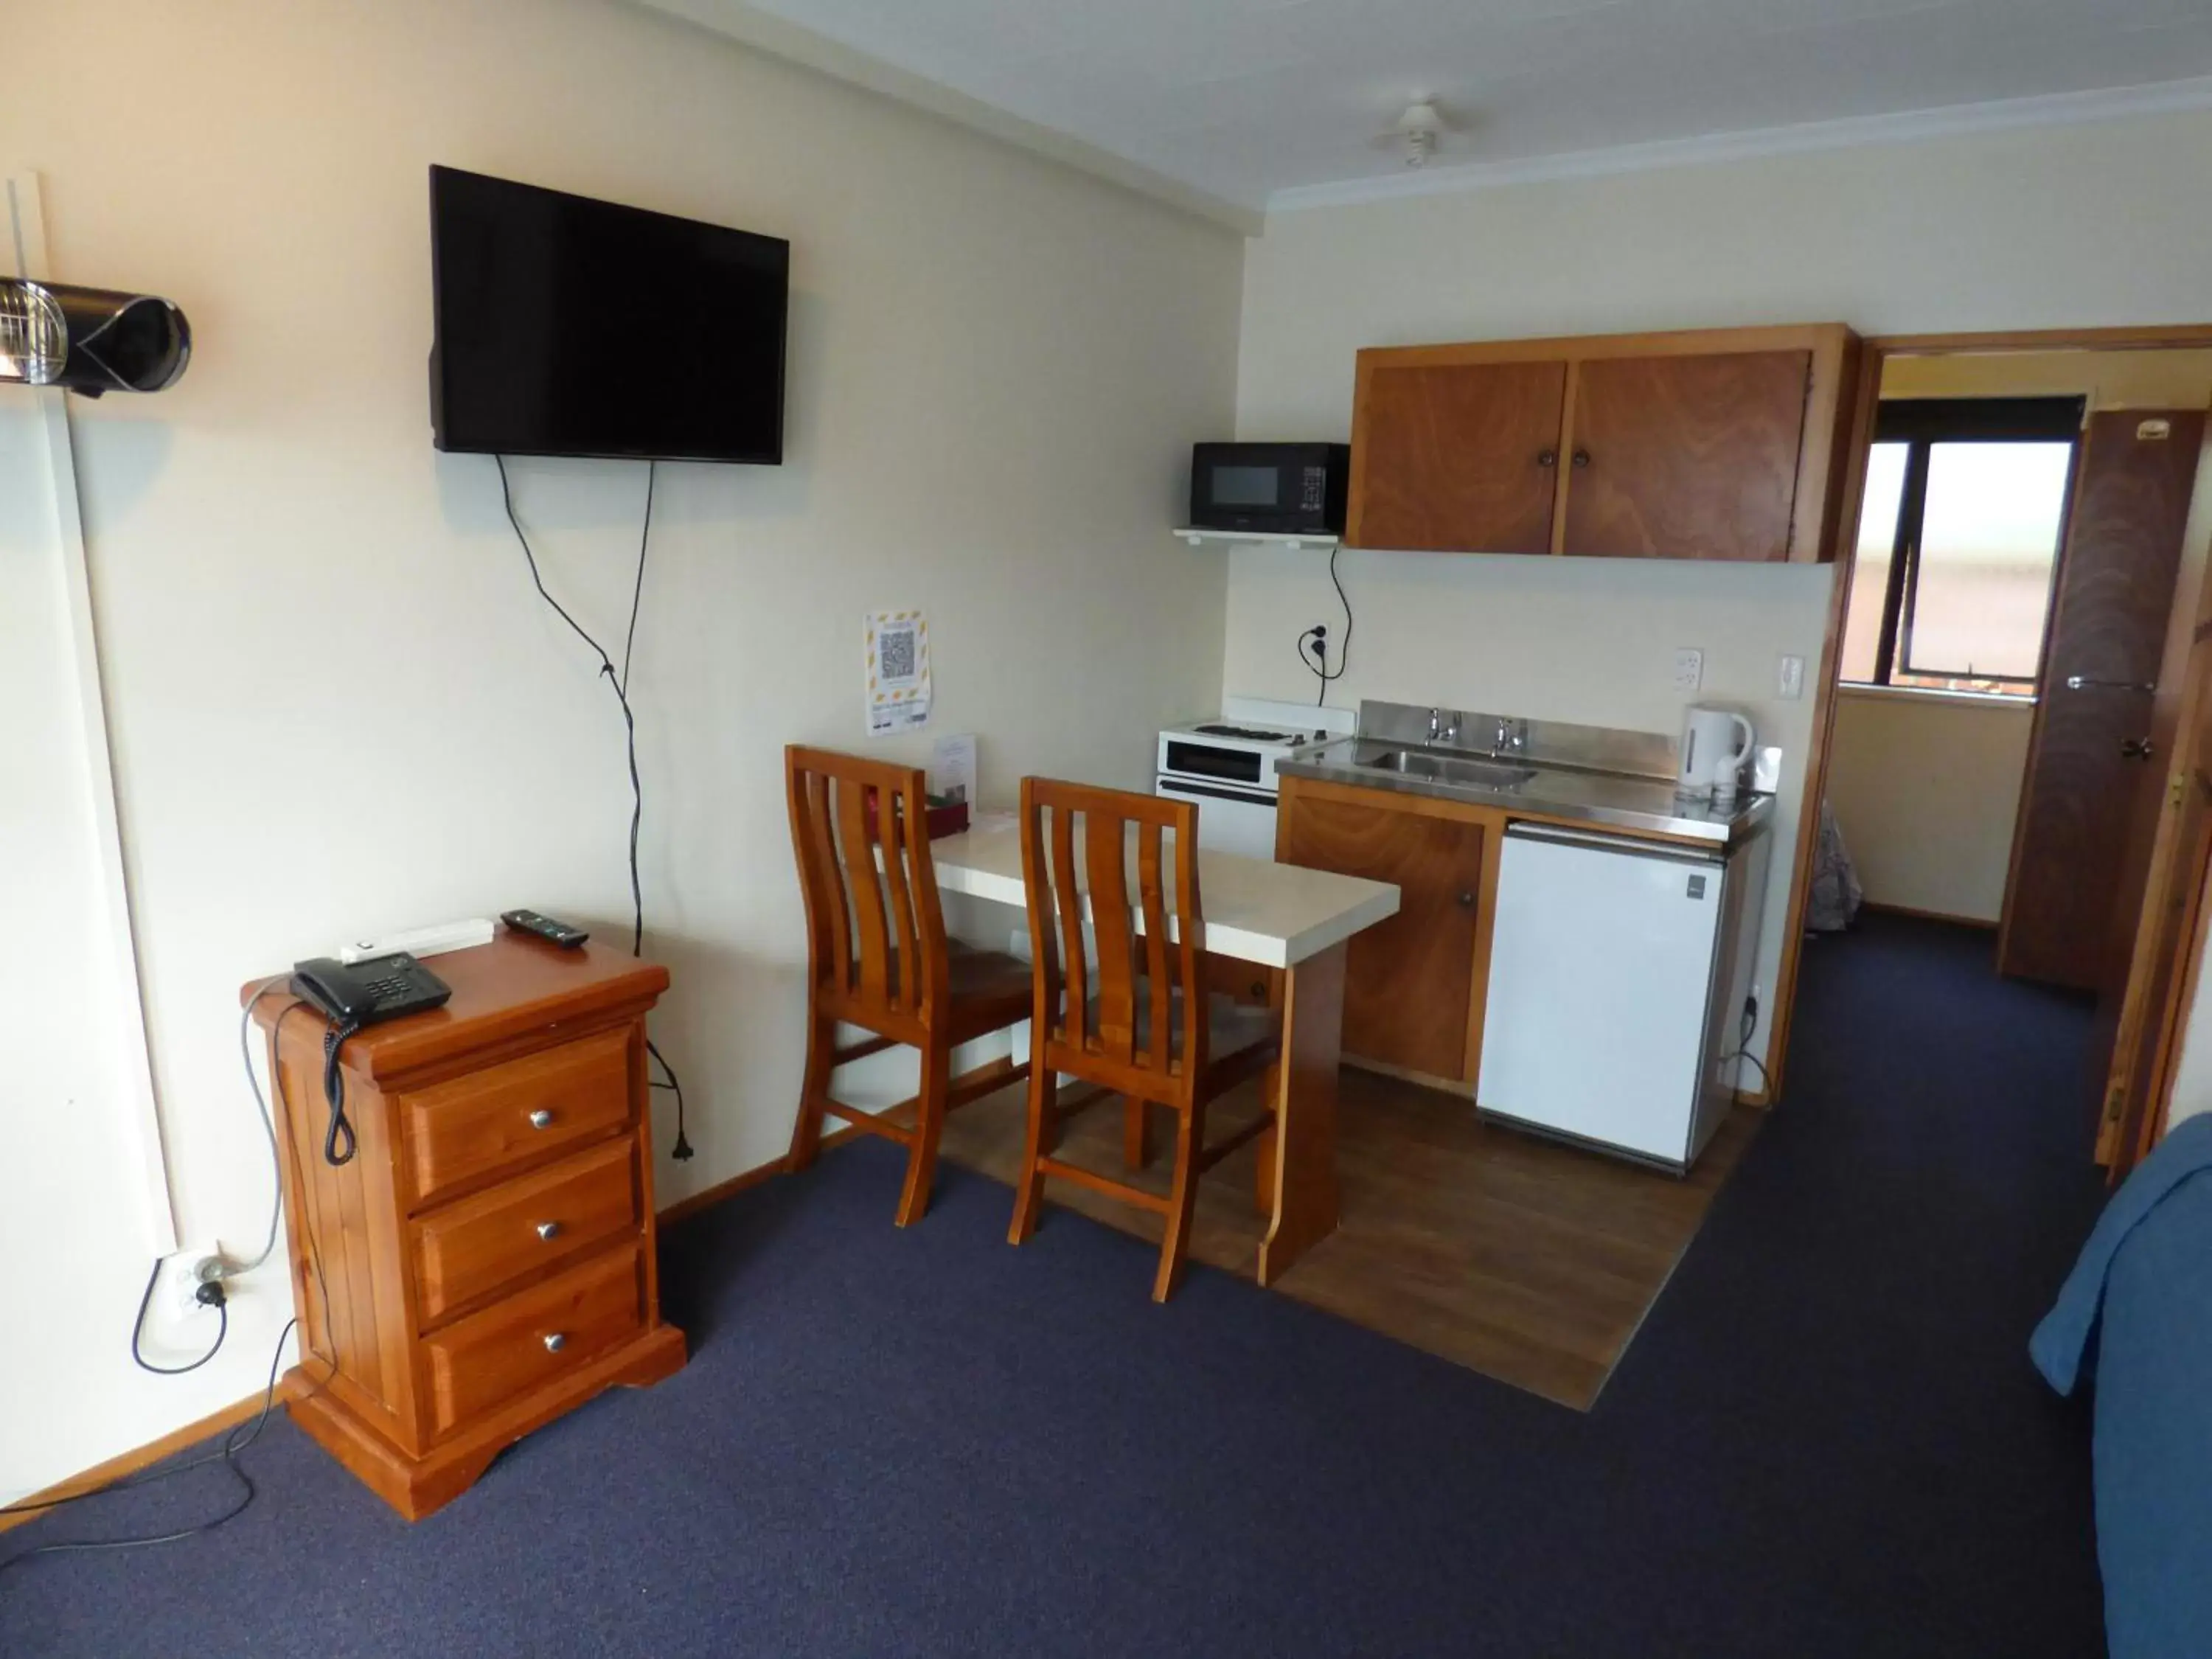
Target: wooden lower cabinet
x=1411, y=991
x=485, y=1261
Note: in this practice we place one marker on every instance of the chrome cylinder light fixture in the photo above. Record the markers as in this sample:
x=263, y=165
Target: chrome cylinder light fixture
x=91, y=340
x=34, y=336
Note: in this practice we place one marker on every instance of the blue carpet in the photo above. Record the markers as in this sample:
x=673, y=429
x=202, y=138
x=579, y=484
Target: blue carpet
x=1826, y=1441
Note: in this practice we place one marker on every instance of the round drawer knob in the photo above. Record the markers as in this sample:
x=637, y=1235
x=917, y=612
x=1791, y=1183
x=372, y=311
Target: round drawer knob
x=541, y=1119
x=556, y=1341
x=549, y=1230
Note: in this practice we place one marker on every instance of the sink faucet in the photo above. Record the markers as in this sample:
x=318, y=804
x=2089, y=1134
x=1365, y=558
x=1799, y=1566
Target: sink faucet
x=1512, y=737
x=1442, y=730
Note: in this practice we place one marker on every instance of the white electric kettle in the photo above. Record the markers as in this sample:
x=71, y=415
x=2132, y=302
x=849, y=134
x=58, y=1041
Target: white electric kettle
x=1716, y=744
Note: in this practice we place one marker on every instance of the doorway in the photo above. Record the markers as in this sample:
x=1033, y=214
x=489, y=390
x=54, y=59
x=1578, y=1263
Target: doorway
x=2013, y=645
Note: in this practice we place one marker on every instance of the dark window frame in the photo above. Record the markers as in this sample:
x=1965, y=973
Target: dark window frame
x=1921, y=423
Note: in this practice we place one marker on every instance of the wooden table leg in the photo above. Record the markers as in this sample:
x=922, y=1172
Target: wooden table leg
x=1304, y=1166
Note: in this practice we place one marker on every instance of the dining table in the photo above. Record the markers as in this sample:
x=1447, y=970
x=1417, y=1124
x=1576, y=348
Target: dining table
x=1297, y=922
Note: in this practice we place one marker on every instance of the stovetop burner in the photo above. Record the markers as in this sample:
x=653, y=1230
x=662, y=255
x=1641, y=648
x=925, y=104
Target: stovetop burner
x=1250, y=733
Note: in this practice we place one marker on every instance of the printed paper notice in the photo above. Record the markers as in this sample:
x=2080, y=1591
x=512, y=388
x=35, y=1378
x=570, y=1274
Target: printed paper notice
x=952, y=768
x=898, y=672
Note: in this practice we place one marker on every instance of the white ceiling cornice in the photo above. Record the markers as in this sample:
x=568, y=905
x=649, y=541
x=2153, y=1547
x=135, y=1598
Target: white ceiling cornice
x=2059, y=109
x=734, y=21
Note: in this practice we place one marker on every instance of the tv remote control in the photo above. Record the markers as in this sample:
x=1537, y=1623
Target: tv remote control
x=554, y=932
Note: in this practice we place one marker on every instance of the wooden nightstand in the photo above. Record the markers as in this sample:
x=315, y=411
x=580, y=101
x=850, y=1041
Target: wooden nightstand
x=486, y=1262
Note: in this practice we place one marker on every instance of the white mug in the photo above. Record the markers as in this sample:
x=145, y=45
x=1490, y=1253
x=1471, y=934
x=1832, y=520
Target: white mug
x=1716, y=743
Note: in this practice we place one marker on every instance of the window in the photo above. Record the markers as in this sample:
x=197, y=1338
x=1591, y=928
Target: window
x=1959, y=539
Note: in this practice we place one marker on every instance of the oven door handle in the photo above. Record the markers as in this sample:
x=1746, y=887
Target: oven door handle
x=1214, y=792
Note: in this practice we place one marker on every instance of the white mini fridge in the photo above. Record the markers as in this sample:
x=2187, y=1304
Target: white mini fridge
x=1619, y=974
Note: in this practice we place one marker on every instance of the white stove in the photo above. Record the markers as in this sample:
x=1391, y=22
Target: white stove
x=1227, y=765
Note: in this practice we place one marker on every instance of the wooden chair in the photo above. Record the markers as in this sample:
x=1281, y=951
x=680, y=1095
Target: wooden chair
x=1139, y=1023
x=878, y=957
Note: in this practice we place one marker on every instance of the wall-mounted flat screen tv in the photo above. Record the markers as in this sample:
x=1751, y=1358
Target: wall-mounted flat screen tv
x=566, y=326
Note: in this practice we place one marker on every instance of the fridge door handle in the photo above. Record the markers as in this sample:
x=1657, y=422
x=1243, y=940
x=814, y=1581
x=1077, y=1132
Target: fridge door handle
x=1623, y=846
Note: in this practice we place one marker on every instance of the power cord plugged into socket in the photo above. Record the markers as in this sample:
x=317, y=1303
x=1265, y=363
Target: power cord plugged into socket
x=1314, y=643
x=195, y=1280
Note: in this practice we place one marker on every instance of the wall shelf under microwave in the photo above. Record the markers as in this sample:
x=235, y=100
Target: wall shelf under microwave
x=1198, y=537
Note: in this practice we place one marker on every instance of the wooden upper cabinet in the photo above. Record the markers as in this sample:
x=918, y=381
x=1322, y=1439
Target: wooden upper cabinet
x=1716, y=444
x=1457, y=457
x=1687, y=457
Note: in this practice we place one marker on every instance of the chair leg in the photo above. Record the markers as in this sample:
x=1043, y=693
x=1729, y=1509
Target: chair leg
x=1182, y=1200
x=928, y=1124
x=1136, y=1132
x=1037, y=1145
x=813, y=1089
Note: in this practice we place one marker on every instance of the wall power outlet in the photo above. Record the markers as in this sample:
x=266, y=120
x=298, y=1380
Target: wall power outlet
x=1689, y=668
x=184, y=1275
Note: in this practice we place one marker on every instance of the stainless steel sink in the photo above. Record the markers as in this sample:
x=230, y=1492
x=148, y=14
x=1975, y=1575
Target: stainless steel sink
x=1448, y=768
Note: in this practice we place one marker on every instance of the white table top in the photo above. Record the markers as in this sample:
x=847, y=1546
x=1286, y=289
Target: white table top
x=1256, y=910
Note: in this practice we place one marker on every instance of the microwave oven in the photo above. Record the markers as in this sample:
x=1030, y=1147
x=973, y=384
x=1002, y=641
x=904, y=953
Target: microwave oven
x=1281, y=488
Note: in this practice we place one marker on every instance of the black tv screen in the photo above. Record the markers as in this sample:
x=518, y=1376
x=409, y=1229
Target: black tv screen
x=566, y=326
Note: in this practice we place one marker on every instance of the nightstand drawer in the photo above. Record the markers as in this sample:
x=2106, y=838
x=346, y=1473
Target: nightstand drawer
x=534, y=1338
x=516, y=1113
x=521, y=1225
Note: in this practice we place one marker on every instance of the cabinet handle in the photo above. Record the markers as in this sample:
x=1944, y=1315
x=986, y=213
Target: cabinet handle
x=549, y=1230
x=2137, y=748
x=1467, y=901
x=1582, y=458
x=541, y=1119
x=556, y=1341
x=1547, y=458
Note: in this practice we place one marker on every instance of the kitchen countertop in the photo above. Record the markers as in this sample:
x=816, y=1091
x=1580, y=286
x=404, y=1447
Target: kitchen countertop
x=1603, y=799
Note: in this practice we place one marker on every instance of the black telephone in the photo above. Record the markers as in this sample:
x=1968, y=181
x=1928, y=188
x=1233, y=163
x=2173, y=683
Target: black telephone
x=352, y=995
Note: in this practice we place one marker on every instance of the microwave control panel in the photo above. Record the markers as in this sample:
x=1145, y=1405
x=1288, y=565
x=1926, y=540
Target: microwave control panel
x=1315, y=494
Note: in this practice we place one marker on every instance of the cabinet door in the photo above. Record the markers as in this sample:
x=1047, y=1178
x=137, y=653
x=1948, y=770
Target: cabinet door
x=1456, y=458
x=1687, y=457
x=1407, y=980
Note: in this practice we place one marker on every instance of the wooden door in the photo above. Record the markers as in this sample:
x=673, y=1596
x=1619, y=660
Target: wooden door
x=2163, y=973
x=1407, y=980
x=2090, y=756
x=1685, y=457
x=1456, y=458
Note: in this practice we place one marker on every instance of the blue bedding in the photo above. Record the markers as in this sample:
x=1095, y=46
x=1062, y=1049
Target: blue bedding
x=2135, y=1318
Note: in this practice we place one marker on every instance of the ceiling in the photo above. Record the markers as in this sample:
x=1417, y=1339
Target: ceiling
x=1243, y=99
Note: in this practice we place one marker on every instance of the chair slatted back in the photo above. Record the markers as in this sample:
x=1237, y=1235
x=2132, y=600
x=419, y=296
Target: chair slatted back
x=875, y=934
x=1076, y=843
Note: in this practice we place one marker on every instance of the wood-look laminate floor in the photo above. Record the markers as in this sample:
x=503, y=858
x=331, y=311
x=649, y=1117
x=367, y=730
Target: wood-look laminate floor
x=1530, y=1261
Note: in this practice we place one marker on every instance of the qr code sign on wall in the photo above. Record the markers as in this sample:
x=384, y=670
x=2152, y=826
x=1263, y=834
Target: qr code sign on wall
x=897, y=671
x=898, y=653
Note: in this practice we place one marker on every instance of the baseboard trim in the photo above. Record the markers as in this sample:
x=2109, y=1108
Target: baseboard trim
x=145, y=1456
x=177, y=1440
x=1914, y=915
x=683, y=1208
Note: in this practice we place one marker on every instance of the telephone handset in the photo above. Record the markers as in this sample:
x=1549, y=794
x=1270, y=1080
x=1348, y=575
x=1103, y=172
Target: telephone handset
x=351, y=996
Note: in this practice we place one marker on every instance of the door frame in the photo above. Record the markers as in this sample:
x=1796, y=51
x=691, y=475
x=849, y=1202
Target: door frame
x=1877, y=350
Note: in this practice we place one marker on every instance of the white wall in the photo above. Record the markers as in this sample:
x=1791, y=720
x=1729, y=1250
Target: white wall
x=2109, y=380
x=2192, y=1075
x=2074, y=226
x=338, y=706
x=1926, y=790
